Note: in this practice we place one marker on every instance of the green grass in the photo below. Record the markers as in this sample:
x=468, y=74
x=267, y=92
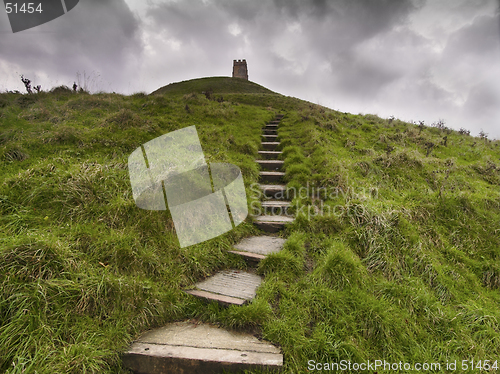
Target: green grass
x=402, y=265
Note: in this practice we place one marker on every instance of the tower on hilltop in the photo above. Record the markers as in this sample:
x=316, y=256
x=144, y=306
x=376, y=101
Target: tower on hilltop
x=240, y=69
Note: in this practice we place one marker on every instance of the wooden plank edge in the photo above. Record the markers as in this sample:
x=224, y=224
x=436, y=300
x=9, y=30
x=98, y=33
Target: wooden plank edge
x=216, y=297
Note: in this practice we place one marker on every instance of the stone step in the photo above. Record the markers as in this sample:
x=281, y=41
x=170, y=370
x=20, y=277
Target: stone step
x=271, y=176
x=269, y=132
x=272, y=223
x=270, y=164
x=275, y=191
x=276, y=207
x=255, y=248
x=228, y=287
x=270, y=155
x=274, y=122
x=270, y=146
x=270, y=138
x=199, y=348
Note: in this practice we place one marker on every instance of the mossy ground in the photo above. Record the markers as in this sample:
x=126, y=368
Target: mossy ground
x=394, y=254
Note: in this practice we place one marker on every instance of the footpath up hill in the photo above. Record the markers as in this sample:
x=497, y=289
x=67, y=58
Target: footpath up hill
x=394, y=253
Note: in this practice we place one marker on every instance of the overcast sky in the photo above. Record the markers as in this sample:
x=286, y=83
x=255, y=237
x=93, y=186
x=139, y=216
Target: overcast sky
x=413, y=59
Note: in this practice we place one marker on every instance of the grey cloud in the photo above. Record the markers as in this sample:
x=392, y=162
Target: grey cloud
x=331, y=26
x=481, y=38
x=195, y=25
x=357, y=19
x=471, y=64
x=483, y=101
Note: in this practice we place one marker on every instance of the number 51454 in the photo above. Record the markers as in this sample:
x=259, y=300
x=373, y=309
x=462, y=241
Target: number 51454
x=23, y=8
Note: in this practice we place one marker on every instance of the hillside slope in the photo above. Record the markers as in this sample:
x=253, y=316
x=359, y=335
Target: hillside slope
x=394, y=255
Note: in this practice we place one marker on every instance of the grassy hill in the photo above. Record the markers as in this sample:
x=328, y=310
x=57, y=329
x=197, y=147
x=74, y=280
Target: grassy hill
x=394, y=255
x=216, y=85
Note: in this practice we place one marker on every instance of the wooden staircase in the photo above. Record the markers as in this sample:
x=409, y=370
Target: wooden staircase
x=179, y=347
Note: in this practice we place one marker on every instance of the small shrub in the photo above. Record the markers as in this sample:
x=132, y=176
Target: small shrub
x=208, y=93
x=421, y=126
x=463, y=131
x=27, y=84
x=429, y=146
x=65, y=90
x=439, y=125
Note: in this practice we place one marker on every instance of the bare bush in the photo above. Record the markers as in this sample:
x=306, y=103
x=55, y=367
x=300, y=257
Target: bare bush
x=463, y=131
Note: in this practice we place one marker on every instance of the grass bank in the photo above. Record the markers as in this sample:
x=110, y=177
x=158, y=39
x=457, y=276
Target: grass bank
x=394, y=254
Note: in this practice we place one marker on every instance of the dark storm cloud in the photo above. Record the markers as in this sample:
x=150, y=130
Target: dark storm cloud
x=96, y=36
x=329, y=32
x=480, y=38
x=363, y=17
x=325, y=21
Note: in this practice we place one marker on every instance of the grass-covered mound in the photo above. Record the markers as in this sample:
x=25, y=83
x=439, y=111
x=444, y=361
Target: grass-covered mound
x=397, y=257
x=214, y=85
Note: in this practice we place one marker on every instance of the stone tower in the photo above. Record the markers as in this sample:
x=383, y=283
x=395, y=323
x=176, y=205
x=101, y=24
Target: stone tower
x=240, y=69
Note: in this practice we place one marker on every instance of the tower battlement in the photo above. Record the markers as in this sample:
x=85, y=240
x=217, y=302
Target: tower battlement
x=240, y=69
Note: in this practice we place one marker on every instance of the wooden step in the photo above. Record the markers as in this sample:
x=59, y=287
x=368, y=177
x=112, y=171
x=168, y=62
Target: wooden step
x=276, y=207
x=274, y=191
x=199, y=348
x=270, y=146
x=271, y=127
x=271, y=176
x=272, y=223
x=270, y=138
x=275, y=122
x=256, y=248
x=270, y=155
x=270, y=164
x=228, y=287
x=269, y=132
